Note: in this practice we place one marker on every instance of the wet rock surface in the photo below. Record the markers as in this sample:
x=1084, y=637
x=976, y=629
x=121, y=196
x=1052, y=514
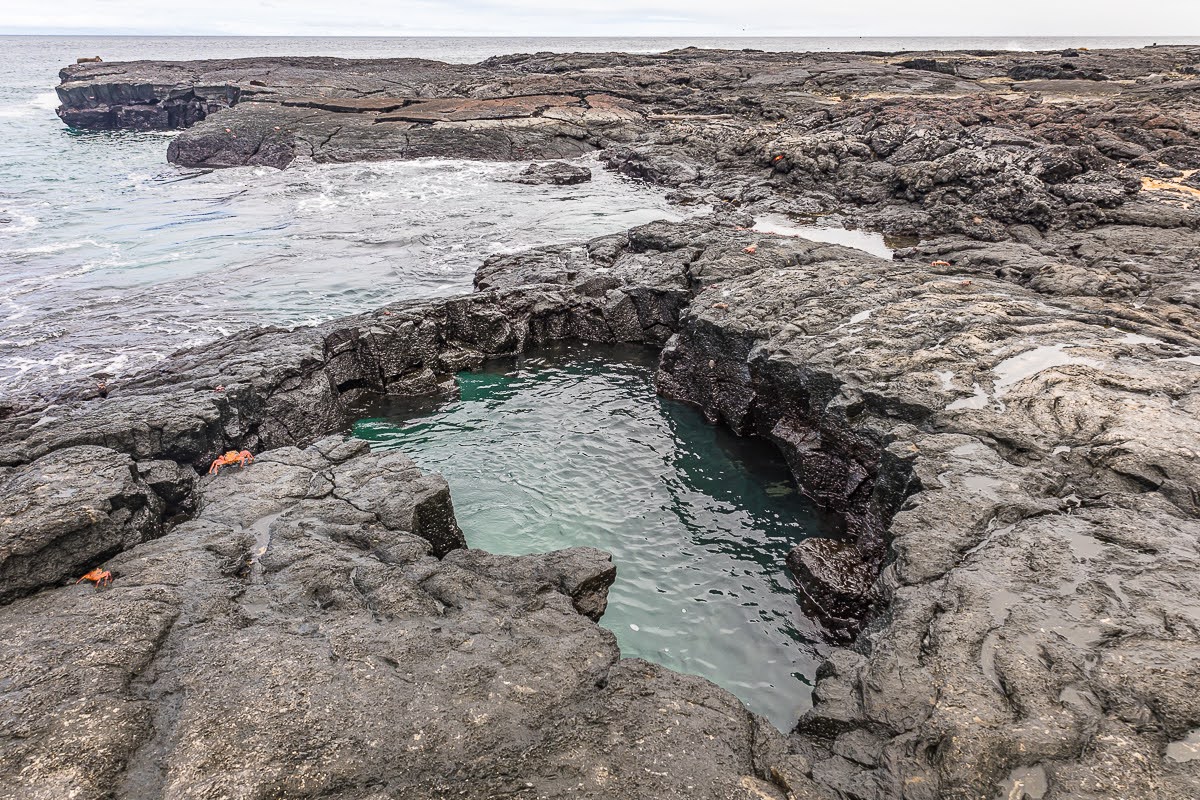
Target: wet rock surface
x=556, y=173
x=1003, y=417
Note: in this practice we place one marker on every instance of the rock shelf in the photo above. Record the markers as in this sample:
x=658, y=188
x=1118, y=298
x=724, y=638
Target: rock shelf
x=1003, y=416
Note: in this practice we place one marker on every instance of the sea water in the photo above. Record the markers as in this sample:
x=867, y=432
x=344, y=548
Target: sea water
x=110, y=258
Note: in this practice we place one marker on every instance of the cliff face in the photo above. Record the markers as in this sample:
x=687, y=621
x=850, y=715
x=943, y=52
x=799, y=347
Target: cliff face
x=1003, y=416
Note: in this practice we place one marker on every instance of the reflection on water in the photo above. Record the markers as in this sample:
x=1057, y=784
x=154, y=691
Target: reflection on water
x=868, y=241
x=574, y=448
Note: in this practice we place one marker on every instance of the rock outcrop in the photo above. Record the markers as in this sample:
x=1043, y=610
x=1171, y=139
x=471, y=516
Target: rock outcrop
x=1017, y=463
x=975, y=140
x=1003, y=418
x=1030, y=454
x=298, y=637
x=63, y=514
x=555, y=173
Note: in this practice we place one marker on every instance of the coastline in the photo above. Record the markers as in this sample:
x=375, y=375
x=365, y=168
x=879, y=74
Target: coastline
x=1003, y=415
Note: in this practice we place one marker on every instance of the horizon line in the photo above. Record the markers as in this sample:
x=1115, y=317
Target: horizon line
x=1171, y=37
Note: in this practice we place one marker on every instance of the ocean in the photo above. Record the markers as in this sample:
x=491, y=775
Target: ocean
x=111, y=259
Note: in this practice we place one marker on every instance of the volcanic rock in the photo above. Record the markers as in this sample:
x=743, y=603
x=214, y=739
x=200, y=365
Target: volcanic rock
x=1000, y=422
x=65, y=513
x=556, y=173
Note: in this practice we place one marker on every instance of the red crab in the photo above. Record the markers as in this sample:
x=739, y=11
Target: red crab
x=232, y=457
x=98, y=576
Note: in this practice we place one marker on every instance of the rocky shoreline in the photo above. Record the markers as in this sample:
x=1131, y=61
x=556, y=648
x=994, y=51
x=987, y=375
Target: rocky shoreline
x=1004, y=417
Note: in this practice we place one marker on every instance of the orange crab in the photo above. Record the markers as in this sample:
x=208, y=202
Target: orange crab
x=98, y=576
x=752, y=249
x=232, y=457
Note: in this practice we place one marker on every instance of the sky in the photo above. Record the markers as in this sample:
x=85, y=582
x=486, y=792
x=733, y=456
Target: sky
x=607, y=18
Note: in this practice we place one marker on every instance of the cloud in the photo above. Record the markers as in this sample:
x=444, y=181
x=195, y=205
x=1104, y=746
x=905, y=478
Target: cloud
x=606, y=18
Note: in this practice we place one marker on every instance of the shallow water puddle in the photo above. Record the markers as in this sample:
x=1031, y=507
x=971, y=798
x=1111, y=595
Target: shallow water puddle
x=868, y=241
x=574, y=448
x=1025, y=782
x=1024, y=365
x=1015, y=369
x=1186, y=749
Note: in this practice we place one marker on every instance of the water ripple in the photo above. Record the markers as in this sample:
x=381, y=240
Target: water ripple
x=574, y=448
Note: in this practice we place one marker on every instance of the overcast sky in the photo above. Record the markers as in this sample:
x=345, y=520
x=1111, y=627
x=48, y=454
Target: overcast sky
x=608, y=17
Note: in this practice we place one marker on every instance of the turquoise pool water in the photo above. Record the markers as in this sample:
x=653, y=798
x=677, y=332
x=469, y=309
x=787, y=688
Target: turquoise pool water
x=574, y=448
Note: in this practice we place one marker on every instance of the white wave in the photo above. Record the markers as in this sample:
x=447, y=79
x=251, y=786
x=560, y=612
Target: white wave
x=118, y=364
x=20, y=365
x=21, y=222
x=57, y=247
x=34, y=106
x=48, y=100
x=321, y=202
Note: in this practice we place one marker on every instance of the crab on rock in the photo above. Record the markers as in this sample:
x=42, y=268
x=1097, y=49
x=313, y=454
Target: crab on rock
x=98, y=576
x=232, y=457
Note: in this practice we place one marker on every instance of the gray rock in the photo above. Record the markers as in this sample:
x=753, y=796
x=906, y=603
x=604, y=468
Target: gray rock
x=299, y=637
x=556, y=173
x=67, y=513
x=1000, y=422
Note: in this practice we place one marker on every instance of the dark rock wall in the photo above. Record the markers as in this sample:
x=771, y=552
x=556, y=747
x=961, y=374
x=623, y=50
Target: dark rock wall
x=141, y=107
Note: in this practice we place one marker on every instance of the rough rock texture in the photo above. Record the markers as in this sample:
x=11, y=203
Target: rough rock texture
x=65, y=513
x=914, y=143
x=273, y=110
x=298, y=638
x=1021, y=460
x=556, y=173
x=1038, y=582
x=284, y=387
x=1003, y=417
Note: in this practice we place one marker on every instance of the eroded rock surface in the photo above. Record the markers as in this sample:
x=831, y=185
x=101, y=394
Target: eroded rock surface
x=1003, y=417
x=64, y=514
x=1045, y=439
x=1020, y=458
x=303, y=611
